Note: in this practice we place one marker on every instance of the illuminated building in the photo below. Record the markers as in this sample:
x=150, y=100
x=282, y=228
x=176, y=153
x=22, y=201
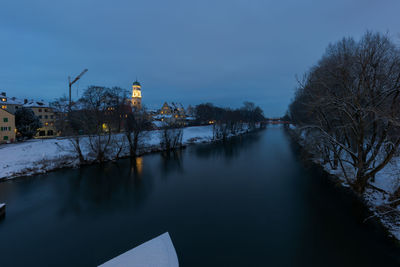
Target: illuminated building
x=136, y=95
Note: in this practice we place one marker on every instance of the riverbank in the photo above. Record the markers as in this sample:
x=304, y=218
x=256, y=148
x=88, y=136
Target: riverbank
x=41, y=156
x=376, y=198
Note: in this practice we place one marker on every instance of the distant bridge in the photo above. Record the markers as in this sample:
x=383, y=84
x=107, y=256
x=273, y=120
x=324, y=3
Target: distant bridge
x=275, y=121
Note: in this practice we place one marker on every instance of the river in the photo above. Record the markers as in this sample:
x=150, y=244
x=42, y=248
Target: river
x=248, y=202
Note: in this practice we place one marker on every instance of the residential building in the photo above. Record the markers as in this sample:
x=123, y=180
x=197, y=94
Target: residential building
x=7, y=126
x=11, y=104
x=47, y=117
x=171, y=114
x=166, y=109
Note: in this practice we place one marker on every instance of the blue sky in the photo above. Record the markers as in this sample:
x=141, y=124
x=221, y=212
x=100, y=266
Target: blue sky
x=219, y=51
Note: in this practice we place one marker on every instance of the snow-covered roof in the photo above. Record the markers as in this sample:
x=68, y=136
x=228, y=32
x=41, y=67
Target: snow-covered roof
x=159, y=123
x=36, y=104
x=162, y=116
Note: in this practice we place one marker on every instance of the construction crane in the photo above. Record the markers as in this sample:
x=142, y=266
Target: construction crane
x=71, y=83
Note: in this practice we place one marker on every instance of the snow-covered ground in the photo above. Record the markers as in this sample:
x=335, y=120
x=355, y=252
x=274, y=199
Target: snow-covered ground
x=40, y=156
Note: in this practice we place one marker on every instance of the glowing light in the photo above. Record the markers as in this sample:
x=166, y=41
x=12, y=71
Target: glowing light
x=139, y=164
x=136, y=93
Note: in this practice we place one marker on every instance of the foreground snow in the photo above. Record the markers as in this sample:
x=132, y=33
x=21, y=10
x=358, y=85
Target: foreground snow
x=158, y=252
x=39, y=156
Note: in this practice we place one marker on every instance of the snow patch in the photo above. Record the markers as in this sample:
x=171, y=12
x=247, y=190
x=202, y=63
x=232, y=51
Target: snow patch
x=158, y=252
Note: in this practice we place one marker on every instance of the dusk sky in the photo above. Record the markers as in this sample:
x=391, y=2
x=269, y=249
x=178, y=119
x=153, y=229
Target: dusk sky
x=224, y=52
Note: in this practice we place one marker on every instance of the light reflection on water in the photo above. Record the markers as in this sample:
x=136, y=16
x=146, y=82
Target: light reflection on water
x=247, y=202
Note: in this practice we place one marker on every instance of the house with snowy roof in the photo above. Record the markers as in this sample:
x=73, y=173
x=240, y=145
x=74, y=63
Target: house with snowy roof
x=11, y=104
x=46, y=115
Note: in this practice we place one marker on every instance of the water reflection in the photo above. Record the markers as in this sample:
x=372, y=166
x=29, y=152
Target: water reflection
x=247, y=202
x=136, y=169
x=229, y=149
x=172, y=161
x=113, y=185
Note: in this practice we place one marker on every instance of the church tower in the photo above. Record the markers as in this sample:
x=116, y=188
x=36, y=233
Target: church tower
x=136, y=95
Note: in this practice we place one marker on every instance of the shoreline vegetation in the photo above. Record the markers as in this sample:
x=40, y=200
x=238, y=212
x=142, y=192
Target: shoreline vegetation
x=372, y=216
x=346, y=115
x=40, y=156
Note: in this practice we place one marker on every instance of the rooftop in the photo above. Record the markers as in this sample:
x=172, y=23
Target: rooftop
x=136, y=83
x=36, y=104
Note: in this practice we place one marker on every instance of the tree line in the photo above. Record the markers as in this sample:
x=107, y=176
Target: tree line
x=105, y=117
x=227, y=121
x=347, y=107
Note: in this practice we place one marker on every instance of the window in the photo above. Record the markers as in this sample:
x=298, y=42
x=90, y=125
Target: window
x=45, y=110
x=50, y=132
x=4, y=99
x=5, y=119
x=46, y=116
x=40, y=116
x=9, y=128
x=51, y=116
x=5, y=138
x=42, y=133
x=40, y=110
x=4, y=107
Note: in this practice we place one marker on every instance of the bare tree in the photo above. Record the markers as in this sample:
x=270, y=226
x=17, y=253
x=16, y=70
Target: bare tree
x=136, y=125
x=171, y=136
x=348, y=106
x=99, y=117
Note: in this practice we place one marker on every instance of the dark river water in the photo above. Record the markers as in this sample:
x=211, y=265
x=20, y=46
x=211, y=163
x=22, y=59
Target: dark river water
x=249, y=202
